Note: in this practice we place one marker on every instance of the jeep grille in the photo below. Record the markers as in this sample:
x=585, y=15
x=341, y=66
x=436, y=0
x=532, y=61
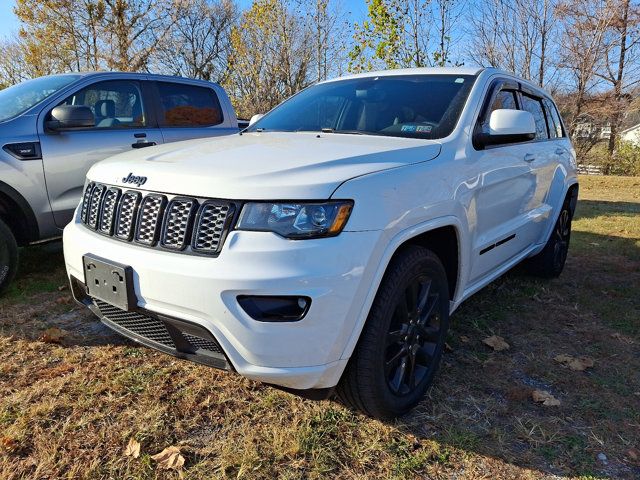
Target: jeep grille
x=175, y=223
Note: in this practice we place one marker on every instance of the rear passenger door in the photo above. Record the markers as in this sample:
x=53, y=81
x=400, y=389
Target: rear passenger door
x=542, y=158
x=188, y=111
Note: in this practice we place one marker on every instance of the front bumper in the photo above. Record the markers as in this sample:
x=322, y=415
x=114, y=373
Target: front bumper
x=201, y=291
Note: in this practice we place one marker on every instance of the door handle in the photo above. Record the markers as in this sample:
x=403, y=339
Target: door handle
x=140, y=135
x=142, y=144
x=529, y=157
x=560, y=151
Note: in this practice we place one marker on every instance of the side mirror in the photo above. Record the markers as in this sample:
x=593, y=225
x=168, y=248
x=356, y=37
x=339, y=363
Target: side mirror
x=65, y=117
x=509, y=126
x=255, y=118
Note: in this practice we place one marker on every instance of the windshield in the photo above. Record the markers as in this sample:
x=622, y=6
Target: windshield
x=415, y=106
x=21, y=97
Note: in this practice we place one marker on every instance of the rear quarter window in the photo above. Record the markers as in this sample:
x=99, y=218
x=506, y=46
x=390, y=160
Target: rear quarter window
x=183, y=105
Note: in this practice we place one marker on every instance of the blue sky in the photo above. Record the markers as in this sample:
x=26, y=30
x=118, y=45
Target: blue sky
x=9, y=24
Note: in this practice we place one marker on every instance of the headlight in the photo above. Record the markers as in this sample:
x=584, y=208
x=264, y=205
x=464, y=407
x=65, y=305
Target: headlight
x=296, y=220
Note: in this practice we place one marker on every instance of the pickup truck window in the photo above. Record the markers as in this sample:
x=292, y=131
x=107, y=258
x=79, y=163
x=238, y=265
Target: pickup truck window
x=21, y=97
x=415, y=106
x=183, y=105
x=115, y=104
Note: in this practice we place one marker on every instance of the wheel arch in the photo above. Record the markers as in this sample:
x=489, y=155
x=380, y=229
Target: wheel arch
x=438, y=235
x=16, y=212
x=569, y=192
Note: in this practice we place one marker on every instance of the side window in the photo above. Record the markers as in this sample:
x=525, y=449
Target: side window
x=506, y=99
x=115, y=104
x=183, y=105
x=555, y=124
x=534, y=106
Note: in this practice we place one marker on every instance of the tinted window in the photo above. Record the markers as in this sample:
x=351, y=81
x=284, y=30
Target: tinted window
x=420, y=106
x=555, y=124
x=115, y=104
x=506, y=99
x=188, y=106
x=21, y=97
x=534, y=106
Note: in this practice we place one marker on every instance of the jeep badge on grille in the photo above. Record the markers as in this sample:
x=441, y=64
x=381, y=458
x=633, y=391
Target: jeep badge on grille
x=134, y=179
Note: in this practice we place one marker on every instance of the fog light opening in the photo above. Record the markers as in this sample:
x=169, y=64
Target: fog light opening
x=266, y=308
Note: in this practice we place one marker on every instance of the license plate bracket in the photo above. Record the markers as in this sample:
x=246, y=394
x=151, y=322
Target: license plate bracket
x=109, y=281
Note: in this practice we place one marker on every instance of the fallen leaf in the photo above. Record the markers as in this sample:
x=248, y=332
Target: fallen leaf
x=53, y=335
x=64, y=300
x=133, y=448
x=8, y=444
x=496, y=342
x=464, y=339
x=633, y=456
x=62, y=287
x=544, y=397
x=577, y=364
x=447, y=347
x=169, y=458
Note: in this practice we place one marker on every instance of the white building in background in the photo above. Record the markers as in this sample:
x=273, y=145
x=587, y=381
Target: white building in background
x=631, y=135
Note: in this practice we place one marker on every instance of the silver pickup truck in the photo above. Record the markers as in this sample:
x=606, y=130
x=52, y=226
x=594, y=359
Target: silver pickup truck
x=54, y=128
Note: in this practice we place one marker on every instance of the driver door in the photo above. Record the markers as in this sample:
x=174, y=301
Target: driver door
x=122, y=122
x=502, y=198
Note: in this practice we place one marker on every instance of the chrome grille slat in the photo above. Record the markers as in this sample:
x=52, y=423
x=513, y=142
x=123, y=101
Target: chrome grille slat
x=86, y=197
x=127, y=211
x=212, y=219
x=94, y=205
x=149, y=218
x=177, y=223
x=108, y=210
x=181, y=224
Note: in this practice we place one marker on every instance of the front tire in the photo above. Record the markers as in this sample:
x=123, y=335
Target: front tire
x=8, y=256
x=401, y=345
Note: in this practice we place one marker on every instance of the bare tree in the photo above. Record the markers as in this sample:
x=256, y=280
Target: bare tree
x=329, y=32
x=198, y=44
x=515, y=35
x=271, y=56
x=585, y=25
x=621, y=67
x=447, y=13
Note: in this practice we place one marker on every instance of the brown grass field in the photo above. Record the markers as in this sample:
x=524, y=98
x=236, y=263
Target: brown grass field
x=68, y=409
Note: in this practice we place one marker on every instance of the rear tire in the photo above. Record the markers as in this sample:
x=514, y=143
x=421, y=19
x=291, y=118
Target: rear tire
x=549, y=263
x=8, y=256
x=401, y=345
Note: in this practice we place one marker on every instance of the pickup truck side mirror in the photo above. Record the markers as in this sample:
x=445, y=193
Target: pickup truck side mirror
x=508, y=126
x=255, y=118
x=64, y=117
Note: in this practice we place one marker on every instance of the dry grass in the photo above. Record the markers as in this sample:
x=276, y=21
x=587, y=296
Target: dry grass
x=68, y=411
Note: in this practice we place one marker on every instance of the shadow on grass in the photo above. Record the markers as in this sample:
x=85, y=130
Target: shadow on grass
x=598, y=208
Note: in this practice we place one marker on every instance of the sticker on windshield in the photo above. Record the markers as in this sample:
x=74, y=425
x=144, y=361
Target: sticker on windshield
x=460, y=80
x=408, y=128
x=424, y=128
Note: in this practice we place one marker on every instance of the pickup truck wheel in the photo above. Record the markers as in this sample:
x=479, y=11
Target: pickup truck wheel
x=549, y=263
x=8, y=256
x=401, y=344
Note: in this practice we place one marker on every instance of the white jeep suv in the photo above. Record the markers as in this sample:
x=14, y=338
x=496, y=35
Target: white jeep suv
x=328, y=243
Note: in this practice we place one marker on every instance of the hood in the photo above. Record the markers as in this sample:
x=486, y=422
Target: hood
x=262, y=166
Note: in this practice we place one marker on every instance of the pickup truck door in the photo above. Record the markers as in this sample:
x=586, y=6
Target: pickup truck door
x=187, y=110
x=122, y=122
x=504, y=191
